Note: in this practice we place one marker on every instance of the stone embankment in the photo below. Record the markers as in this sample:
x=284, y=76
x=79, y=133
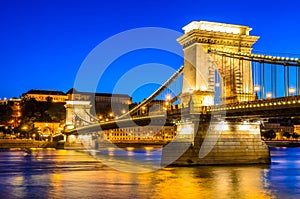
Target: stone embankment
x=16, y=143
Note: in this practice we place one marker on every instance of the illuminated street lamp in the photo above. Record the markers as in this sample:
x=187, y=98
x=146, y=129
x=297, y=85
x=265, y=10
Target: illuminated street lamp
x=111, y=115
x=256, y=89
x=269, y=95
x=167, y=103
x=143, y=109
x=168, y=97
x=291, y=91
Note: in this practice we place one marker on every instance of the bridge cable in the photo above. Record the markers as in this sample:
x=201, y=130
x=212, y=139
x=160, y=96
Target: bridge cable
x=155, y=94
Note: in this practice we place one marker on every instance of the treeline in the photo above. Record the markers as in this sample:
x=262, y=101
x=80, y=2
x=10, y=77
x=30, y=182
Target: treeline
x=34, y=111
x=5, y=113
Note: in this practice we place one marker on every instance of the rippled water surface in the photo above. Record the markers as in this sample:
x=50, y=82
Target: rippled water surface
x=76, y=174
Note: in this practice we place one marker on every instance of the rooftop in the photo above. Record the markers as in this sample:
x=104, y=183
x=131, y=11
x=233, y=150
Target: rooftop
x=45, y=92
x=74, y=91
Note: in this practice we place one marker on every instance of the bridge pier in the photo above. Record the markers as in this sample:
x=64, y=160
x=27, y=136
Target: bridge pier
x=218, y=143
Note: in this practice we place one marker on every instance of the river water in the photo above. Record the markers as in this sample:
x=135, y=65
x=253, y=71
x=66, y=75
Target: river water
x=48, y=173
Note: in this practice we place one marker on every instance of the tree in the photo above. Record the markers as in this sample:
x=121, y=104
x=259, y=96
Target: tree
x=295, y=136
x=269, y=135
x=286, y=134
x=56, y=112
x=49, y=99
x=5, y=113
x=43, y=111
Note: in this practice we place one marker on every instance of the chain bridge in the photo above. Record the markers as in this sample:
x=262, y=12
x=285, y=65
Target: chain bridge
x=227, y=91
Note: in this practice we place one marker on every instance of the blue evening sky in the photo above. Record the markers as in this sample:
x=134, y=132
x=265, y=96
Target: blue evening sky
x=44, y=42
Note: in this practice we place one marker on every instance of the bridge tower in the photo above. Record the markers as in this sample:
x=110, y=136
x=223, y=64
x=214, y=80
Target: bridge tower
x=80, y=109
x=213, y=138
x=199, y=66
x=77, y=115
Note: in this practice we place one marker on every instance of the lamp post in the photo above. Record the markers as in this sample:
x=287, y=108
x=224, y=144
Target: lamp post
x=256, y=89
x=269, y=95
x=168, y=98
x=143, y=110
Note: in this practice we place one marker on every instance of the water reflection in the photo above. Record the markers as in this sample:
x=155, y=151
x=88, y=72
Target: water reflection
x=130, y=159
x=283, y=177
x=73, y=174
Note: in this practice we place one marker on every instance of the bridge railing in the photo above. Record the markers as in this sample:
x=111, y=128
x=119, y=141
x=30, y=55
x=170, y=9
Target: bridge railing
x=261, y=103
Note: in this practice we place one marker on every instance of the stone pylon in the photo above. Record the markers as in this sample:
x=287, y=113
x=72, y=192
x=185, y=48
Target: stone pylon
x=200, y=67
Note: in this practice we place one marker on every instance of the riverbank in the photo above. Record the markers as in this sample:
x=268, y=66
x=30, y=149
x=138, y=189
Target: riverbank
x=107, y=144
x=280, y=143
x=16, y=143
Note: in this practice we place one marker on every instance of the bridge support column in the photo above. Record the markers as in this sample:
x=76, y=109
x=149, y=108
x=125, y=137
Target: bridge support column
x=221, y=143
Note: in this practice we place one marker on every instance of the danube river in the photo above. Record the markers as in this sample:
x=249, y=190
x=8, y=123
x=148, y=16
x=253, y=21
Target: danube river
x=76, y=174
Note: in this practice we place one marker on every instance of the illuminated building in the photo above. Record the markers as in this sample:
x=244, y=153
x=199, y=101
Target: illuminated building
x=278, y=129
x=105, y=104
x=15, y=105
x=48, y=129
x=141, y=133
x=45, y=95
x=3, y=101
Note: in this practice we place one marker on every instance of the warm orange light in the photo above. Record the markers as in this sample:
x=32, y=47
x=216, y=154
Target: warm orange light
x=291, y=90
x=269, y=95
x=168, y=97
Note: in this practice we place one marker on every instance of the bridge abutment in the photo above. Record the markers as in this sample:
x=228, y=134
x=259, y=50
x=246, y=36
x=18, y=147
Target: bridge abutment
x=219, y=143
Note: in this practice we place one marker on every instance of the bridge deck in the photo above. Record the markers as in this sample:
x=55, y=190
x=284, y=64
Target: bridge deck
x=267, y=108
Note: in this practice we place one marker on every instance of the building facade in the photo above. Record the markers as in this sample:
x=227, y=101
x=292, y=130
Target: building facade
x=48, y=129
x=105, y=105
x=15, y=105
x=279, y=129
x=141, y=133
x=45, y=95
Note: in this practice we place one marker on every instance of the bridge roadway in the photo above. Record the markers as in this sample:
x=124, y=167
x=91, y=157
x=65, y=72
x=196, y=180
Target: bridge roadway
x=252, y=110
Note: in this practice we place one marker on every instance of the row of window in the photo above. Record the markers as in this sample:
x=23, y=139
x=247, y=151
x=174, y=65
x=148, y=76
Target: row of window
x=44, y=98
